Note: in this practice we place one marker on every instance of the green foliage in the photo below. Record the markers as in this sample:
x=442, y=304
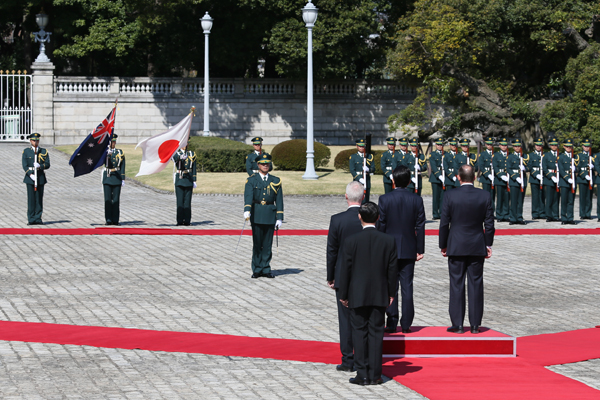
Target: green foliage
x=219, y=155
x=342, y=160
x=291, y=155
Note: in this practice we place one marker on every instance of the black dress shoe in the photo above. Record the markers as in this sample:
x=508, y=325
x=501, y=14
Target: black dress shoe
x=268, y=275
x=377, y=381
x=475, y=329
x=521, y=222
x=255, y=275
x=359, y=381
x=390, y=330
x=406, y=330
x=344, y=368
x=513, y=223
x=456, y=329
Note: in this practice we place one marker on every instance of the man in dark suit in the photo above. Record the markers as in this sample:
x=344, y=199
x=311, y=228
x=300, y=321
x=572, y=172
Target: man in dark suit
x=342, y=226
x=367, y=280
x=402, y=215
x=466, y=237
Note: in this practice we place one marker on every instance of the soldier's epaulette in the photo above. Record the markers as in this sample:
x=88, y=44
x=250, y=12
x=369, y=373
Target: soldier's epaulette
x=246, y=157
x=274, y=186
x=278, y=183
x=350, y=158
x=370, y=158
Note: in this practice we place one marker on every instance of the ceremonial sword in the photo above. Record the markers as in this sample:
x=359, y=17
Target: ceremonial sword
x=241, y=234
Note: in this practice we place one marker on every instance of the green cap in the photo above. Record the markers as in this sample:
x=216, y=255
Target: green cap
x=488, y=141
x=360, y=142
x=264, y=159
x=452, y=142
x=34, y=136
x=465, y=142
x=503, y=142
x=586, y=143
x=403, y=141
x=114, y=137
x=538, y=142
x=553, y=142
x=568, y=143
x=390, y=140
x=257, y=140
x=439, y=141
x=414, y=142
x=516, y=142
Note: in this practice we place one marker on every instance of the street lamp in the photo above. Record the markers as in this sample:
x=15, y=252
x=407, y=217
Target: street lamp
x=42, y=36
x=207, y=23
x=309, y=15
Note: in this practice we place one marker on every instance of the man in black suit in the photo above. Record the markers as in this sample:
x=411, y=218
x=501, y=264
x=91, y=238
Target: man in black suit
x=402, y=215
x=343, y=225
x=367, y=279
x=466, y=238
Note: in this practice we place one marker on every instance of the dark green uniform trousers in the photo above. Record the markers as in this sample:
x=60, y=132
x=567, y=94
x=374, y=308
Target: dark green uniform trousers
x=552, y=201
x=538, y=202
x=488, y=188
x=387, y=187
x=586, y=198
x=184, y=204
x=262, y=238
x=35, y=203
x=112, y=194
x=502, y=203
x=567, y=202
x=516, y=204
x=438, y=195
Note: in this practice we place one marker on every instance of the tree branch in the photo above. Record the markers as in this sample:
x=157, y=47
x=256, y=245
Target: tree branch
x=477, y=86
x=575, y=38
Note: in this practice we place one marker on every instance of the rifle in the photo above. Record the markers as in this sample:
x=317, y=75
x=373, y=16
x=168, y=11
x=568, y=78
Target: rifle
x=443, y=171
x=521, y=170
x=541, y=180
x=35, y=173
x=506, y=172
x=573, y=173
x=557, y=176
x=367, y=152
x=590, y=171
x=416, y=172
x=492, y=176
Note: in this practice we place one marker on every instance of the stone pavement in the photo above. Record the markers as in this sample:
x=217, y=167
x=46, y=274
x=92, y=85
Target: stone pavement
x=534, y=284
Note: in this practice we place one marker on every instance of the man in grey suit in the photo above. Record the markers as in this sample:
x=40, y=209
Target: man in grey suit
x=466, y=237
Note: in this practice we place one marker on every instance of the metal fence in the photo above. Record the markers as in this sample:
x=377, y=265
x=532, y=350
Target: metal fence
x=15, y=106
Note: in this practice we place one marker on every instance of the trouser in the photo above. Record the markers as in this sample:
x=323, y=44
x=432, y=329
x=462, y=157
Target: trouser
x=586, y=197
x=492, y=191
x=538, y=202
x=35, y=203
x=552, y=201
x=406, y=273
x=184, y=204
x=387, y=187
x=472, y=267
x=345, y=328
x=438, y=195
x=262, y=243
x=516, y=203
x=502, y=203
x=112, y=194
x=567, y=202
x=367, y=337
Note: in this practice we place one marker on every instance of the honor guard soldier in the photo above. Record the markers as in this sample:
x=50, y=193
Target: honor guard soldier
x=388, y=163
x=501, y=178
x=36, y=161
x=551, y=187
x=251, y=158
x=567, y=183
x=417, y=164
x=263, y=199
x=465, y=157
x=517, y=182
x=437, y=177
x=185, y=183
x=449, y=165
x=584, y=162
x=403, y=143
x=536, y=180
x=484, y=164
x=113, y=178
x=361, y=167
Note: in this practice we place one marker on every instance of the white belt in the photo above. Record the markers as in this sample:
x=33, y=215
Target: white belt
x=388, y=168
x=255, y=171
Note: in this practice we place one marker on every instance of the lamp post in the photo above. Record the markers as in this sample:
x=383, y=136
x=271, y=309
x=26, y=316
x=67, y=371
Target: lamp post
x=309, y=15
x=207, y=23
x=42, y=36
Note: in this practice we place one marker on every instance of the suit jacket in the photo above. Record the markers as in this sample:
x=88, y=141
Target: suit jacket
x=465, y=212
x=341, y=226
x=402, y=215
x=368, y=270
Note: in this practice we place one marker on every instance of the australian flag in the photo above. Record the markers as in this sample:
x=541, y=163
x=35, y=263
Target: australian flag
x=91, y=153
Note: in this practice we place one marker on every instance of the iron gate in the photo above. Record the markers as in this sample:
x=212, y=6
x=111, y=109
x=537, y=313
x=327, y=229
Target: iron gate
x=15, y=106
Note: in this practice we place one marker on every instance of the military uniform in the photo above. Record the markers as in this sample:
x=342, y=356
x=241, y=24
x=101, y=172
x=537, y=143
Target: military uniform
x=251, y=167
x=501, y=178
x=420, y=166
x=538, y=196
x=113, y=177
x=550, y=173
x=356, y=163
x=389, y=160
x=517, y=182
x=436, y=176
x=586, y=194
x=185, y=182
x=35, y=195
x=566, y=173
x=263, y=200
x=484, y=165
x=449, y=165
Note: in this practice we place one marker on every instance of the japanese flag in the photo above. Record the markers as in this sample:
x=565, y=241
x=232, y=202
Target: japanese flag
x=158, y=150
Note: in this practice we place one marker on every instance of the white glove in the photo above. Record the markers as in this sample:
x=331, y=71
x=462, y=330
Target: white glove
x=195, y=186
x=278, y=224
x=539, y=177
x=122, y=183
x=522, y=168
x=246, y=214
x=588, y=177
x=183, y=157
x=441, y=178
x=573, y=168
x=414, y=179
x=362, y=181
x=110, y=151
x=365, y=168
x=554, y=179
x=454, y=178
x=519, y=180
x=570, y=180
x=36, y=165
x=504, y=178
x=417, y=167
x=591, y=166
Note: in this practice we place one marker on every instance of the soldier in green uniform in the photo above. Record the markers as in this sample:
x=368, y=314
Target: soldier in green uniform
x=388, y=163
x=484, y=165
x=403, y=143
x=185, y=183
x=359, y=168
x=251, y=167
x=416, y=162
x=551, y=188
x=501, y=178
x=585, y=179
x=449, y=165
x=515, y=165
x=263, y=206
x=113, y=177
x=36, y=161
x=536, y=180
x=566, y=176
x=436, y=177
x=465, y=157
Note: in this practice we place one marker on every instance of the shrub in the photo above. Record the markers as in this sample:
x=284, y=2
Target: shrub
x=215, y=154
x=291, y=155
x=342, y=160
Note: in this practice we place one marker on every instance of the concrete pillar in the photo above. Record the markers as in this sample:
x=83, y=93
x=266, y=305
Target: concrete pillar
x=42, y=89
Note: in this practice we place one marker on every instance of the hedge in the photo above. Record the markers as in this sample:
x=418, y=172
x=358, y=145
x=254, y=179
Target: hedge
x=342, y=160
x=291, y=155
x=215, y=154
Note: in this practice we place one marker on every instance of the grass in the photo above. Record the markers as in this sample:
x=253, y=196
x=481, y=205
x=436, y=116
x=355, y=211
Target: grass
x=330, y=182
